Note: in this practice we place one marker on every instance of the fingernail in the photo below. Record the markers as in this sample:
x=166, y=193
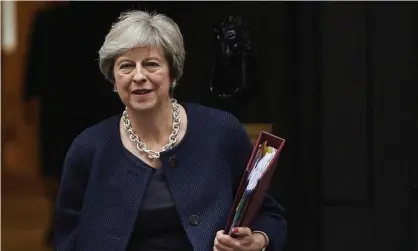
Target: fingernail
x=235, y=230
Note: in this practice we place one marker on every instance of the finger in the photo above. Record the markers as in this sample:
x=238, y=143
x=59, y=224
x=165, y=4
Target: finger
x=243, y=241
x=218, y=245
x=241, y=231
x=219, y=233
x=246, y=241
x=227, y=241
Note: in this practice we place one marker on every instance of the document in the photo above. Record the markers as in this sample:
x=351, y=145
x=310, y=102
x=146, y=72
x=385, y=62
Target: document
x=259, y=166
x=255, y=181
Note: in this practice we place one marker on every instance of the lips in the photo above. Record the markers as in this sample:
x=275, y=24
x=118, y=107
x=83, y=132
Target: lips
x=141, y=91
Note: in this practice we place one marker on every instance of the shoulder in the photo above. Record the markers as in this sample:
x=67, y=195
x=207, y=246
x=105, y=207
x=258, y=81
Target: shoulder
x=99, y=133
x=214, y=127
x=88, y=144
x=206, y=116
x=223, y=130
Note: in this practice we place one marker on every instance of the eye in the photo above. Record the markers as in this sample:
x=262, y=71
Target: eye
x=125, y=65
x=151, y=64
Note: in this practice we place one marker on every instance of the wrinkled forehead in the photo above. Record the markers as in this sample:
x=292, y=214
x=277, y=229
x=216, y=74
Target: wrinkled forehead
x=144, y=51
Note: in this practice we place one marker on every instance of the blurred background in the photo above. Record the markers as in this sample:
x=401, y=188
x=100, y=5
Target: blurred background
x=338, y=81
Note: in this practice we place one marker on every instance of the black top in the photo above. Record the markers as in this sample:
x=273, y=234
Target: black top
x=158, y=226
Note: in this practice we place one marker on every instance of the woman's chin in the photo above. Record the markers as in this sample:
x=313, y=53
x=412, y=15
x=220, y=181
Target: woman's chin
x=143, y=105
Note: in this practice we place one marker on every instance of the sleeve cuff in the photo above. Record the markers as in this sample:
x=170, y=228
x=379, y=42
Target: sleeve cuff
x=265, y=237
x=275, y=228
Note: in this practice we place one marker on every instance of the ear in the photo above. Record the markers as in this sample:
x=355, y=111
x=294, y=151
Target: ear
x=171, y=89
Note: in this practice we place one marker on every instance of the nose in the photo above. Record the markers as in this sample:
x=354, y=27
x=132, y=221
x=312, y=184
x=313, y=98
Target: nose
x=139, y=74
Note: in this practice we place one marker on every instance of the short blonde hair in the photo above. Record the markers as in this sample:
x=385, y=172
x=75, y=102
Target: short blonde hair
x=141, y=29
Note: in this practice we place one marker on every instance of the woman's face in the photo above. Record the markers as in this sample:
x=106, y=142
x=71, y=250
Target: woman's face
x=142, y=78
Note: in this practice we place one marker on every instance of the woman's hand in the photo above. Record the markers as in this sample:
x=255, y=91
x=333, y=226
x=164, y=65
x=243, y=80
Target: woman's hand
x=243, y=240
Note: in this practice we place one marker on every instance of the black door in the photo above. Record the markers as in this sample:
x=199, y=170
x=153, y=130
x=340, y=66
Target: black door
x=353, y=77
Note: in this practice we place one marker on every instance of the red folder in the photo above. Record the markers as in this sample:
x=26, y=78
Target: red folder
x=257, y=197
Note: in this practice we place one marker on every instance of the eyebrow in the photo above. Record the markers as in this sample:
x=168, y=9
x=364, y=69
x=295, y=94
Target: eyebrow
x=153, y=58
x=122, y=59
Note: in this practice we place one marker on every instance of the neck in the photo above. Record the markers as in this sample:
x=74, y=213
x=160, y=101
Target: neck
x=153, y=127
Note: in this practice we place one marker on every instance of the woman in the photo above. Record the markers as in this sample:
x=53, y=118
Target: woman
x=161, y=175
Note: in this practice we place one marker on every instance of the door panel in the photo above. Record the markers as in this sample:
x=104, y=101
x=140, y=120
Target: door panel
x=347, y=228
x=367, y=60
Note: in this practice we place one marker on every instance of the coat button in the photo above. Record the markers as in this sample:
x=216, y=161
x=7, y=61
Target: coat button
x=173, y=161
x=194, y=220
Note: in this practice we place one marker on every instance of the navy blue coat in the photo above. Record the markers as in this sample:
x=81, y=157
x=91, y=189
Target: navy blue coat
x=103, y=184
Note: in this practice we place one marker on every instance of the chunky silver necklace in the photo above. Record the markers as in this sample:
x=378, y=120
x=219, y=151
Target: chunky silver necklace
x=141, y=146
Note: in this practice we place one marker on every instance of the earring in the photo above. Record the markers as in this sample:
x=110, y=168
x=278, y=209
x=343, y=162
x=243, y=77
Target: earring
x=174, y=84
x=114, y=89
